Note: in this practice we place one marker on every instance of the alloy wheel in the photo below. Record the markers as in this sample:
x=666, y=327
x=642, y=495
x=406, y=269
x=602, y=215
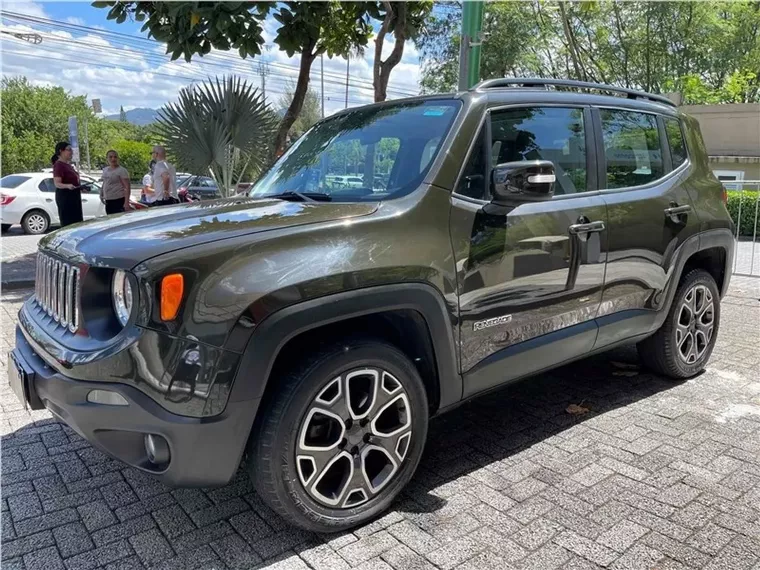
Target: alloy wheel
x=695, y=324
x=36, y=223
x=354, y=437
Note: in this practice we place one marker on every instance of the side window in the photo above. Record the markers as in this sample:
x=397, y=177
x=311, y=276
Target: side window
x=473, y=181
x=543, y=133
x=632, y=148
x=676, y=142
x=47, y=185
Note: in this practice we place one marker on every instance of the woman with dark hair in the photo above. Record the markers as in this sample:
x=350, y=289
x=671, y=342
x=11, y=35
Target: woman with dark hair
x=68, y=192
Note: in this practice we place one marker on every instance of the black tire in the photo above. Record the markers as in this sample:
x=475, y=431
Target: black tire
x=35, y=222
x=661, y=352
x=278, y=436
x=5, y=227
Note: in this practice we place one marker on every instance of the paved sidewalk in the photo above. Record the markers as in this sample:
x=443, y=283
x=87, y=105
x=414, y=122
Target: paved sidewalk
x=18, y=254
x=656, y=474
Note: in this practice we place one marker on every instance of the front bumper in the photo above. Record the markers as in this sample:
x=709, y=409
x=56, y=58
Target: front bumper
x=203, y=451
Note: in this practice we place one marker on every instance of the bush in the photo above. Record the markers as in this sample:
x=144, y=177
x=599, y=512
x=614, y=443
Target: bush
x=748, y=200
x=134, y=156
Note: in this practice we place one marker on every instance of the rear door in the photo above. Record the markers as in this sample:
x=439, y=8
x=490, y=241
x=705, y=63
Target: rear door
x=47, y=199
x=529, y=276
x=650, y=215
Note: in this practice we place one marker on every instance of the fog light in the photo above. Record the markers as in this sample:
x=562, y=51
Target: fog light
x=106, y=397
x=157, y=449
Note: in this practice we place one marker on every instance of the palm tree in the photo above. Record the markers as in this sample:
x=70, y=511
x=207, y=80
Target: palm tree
x=221, y=126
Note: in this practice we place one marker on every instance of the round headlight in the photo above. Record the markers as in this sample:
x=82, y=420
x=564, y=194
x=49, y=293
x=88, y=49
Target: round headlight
x=121, y=291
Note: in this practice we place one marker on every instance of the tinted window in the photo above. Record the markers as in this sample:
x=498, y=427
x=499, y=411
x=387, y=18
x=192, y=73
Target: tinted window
x=631, y=147
x=385, y=141
x=12, y=181
x=676, y=142
x=473, y=180
x=543, y=133
x=47, y=185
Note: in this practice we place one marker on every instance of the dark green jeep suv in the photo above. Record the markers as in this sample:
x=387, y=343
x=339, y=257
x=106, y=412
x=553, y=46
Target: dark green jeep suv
x=317, y=325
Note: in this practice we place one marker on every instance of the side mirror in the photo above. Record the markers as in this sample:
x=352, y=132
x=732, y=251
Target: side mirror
x=523, y=181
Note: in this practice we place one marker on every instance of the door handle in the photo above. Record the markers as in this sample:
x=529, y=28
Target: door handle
x=586, y=228
x=48, y=199
x=675, y=210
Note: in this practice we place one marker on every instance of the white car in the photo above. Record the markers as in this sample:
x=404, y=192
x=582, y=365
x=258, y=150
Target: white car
x=28, y=199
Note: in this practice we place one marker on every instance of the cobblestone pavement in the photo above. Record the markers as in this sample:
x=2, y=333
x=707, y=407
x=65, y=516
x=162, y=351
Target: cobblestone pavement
x=656, y=474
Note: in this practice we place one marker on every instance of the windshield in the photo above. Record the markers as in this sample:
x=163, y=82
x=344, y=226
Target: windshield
x=368, y=154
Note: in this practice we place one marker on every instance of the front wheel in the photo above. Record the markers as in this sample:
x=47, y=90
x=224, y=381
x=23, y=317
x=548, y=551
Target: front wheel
x=341, y=437
x=682, y=346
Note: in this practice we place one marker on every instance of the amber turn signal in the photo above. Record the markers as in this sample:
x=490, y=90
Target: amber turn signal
x=172, y=288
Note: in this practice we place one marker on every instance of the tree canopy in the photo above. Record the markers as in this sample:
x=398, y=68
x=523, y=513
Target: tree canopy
x=708, y=51
x=35, y=118
x=311, y=111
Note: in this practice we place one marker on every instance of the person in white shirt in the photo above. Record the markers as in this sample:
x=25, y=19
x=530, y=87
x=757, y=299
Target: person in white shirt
x=148, y=194
x=164, y=179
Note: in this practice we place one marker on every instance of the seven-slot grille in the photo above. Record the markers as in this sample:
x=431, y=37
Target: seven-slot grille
x=57, y=291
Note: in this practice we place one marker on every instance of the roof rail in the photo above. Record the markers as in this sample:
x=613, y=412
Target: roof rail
x=546, y=83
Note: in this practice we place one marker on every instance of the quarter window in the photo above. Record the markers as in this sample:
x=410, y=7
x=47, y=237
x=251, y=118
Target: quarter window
x=632, y=148
x=676, y=142
x=543, y=133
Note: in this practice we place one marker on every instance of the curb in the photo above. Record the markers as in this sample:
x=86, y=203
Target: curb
x=17, y=284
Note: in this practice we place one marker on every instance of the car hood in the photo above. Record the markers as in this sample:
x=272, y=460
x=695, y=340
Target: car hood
x=124, y=240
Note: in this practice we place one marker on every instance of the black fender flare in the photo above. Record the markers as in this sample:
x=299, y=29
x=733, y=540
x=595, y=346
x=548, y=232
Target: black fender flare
x=273, y=333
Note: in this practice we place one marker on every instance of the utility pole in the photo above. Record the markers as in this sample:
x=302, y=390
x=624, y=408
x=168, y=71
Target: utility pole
x=322, y=69
x=263, y=71
x=348, y=61
x=471, y=39
x=87, y=145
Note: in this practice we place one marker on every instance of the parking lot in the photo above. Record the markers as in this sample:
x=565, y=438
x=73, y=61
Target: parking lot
x=640, y=473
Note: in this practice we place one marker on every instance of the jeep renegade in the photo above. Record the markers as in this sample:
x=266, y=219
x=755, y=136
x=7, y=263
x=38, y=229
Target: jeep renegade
x=317, y=327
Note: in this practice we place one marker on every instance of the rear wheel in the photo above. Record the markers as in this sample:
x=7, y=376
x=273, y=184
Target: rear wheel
x=341, y=437
x=35, y=222
x=682, y=346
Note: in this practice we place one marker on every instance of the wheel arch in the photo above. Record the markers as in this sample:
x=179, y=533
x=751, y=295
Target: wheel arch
x=412, y=317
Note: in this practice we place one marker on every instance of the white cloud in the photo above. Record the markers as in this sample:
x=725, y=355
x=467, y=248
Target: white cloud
x=92, y=64
x=26, y=8
x=76, y=21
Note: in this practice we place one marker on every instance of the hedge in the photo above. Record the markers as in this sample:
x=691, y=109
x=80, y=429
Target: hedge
x=748, y=201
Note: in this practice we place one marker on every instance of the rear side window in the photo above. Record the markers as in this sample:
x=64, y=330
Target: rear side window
x=543, y=133
x=632, y=148
x=676, y=142
x=12, y=181
x=47, y=185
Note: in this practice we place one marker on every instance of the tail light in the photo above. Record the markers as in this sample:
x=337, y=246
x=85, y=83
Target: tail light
x=5, y=199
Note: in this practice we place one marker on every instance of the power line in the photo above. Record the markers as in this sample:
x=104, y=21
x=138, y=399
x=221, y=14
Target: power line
x=160, y=74
x=133, y=40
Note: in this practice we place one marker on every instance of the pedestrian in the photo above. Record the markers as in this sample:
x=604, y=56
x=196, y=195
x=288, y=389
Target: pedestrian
x=148, y=195
x=115, y=191
x=68, y=192
x=164, y=179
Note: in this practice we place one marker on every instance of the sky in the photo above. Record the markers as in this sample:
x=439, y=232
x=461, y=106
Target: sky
x=114, y=62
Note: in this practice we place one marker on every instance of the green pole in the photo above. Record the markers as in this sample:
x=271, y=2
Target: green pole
x=472, y=22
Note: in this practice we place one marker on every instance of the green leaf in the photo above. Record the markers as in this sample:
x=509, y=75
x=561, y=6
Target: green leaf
x=121, y=18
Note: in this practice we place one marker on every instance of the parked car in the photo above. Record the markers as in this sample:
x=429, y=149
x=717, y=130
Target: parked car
x=28, y=199
x=201, y=187
x=521, y=227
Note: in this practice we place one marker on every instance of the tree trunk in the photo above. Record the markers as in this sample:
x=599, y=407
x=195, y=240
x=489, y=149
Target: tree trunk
x=299, y=96
x=570, y=42
x=381, y=70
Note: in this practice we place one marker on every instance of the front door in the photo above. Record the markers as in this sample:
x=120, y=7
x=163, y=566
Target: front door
x=530, y=275
x=650, y=216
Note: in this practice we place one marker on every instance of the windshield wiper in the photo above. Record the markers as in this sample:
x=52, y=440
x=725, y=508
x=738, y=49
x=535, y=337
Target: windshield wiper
x=302, y=196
